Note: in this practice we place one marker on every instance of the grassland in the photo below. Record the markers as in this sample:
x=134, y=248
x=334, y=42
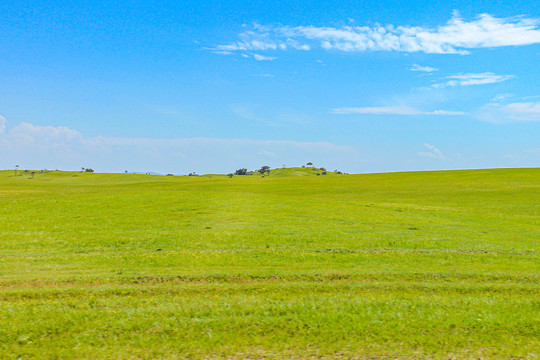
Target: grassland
x=405, y=265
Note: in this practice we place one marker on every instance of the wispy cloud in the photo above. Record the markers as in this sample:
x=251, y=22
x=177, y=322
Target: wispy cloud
x=38, y=147
x=2, y=124
x=457, y=36
x=473, y=79
x=516, y=111
x=527, y=111
x=391, y=110
x=501, y=97
x=432, y=152
x=428, y=69
x=263, y=58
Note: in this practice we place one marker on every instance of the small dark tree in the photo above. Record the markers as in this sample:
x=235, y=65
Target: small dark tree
x=264, y=169
x=89, y=170
x=322, y=169
x=242, y=171
x=230, y=175
x=309, y=164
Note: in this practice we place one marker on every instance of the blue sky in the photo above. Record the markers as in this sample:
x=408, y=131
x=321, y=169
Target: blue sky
x=181, y=86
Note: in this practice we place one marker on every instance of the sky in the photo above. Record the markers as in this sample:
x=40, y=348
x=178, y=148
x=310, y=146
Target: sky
x=210, y=87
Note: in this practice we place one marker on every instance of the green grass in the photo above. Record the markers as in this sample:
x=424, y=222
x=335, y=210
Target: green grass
x=432, y=265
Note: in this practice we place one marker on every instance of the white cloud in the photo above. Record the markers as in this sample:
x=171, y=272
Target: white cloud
x=473, y=79
x=38, y=147
x=457, y=36
x=428, y=69
x=433, y=152
x=446, y=112
x=391, y=110
x=516, y=111
x=523, y=111
x=246, y=45
x=36, y=133
x=262, y=58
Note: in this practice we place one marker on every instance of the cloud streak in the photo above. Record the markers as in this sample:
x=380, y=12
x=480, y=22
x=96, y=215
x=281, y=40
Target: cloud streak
x=432, y=152
x=472, y=79
x=457, y=36
x=263, y=58
x=392, y=110
x=427, y=69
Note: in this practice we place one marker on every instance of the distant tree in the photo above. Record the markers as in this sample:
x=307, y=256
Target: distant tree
x=126, y=171
x=89, y=170
x=242, y=171
x=33, y=173
x=82, y=169
x=264, y=169
x=16, y=168
x=322, y=169
x=193, y=174
x=309, y=164
x=323, y=173
x=230, y=175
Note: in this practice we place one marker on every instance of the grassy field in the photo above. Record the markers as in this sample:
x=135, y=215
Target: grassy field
x=432, y=265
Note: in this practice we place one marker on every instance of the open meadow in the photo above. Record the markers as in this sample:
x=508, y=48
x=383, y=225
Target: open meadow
x=438, y=265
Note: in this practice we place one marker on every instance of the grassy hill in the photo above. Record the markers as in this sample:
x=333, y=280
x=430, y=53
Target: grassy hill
x=441, y=264
x=299, y=171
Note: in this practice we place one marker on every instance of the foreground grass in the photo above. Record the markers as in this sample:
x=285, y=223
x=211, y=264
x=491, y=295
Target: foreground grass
x=408, y=265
